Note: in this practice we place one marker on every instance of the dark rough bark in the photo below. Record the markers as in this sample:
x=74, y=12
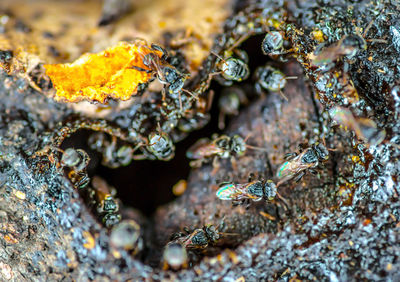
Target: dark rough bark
x=339, y=225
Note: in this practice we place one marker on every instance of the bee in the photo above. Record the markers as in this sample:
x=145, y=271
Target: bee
x=272, y=43
x=348, y=46
x=175, y=256
x=233, y=68
x=157, y=64
x=297, y=165
x=365, y=129
x=254, y=190
x=127, y=235
x=271, y=79
x=229, y=102
x=113, y=156
x=223, y=147
x=198, y=239
x=76, y=162
x=76, y=159
x=105, y=204
x=161, y=146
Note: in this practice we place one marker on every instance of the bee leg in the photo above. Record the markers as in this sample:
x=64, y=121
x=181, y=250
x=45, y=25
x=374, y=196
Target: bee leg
x=313, y=171
x=163, y=94
x=234, y=163
x=289, y=156
x=299, y=176
x=196, y=163
x=236, y=203
x=215, y=165
x=247, y=204
x=221, y=120
x=252, y=176
x=141, y=69
x=164, y=52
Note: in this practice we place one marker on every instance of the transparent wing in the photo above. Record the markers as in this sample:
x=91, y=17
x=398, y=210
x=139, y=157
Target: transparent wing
x=227, y=192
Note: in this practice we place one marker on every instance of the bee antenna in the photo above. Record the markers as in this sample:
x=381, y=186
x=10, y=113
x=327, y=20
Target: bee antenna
x=256, y=148
x=283, y=95
x=292, y=77
x=190, y=93
x=218, y=56
x=282, y=198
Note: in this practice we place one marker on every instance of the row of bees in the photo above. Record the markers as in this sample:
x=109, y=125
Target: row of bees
x=232, y=66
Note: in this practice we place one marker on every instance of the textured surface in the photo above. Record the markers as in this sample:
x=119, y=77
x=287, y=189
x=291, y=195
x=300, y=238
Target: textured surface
x=341, y=224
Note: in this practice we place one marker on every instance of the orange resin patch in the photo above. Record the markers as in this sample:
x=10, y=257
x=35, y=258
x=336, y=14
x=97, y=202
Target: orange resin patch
x=95, y=77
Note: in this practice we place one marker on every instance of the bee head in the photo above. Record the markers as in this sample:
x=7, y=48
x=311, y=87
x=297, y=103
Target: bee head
x=321, y=151
x=174, y=78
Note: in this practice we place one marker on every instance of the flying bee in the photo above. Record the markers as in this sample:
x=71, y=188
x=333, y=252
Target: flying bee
x=175, y=256
x=272, y=43
x=229, y=103
x=223, y=147
x=365, y=129
x=76, y=161
x=271, y=79
x=155, y=58
x=241, y=193
x=297, y=165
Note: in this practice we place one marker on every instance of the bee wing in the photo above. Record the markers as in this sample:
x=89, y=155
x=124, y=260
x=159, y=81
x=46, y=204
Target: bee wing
x=202, y=148
x=290, y=168
x=227, y=192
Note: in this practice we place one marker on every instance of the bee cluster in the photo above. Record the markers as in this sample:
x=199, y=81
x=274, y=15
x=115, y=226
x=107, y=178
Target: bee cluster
x=327, y=216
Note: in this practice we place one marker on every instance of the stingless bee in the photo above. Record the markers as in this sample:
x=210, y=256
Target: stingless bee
x=233, y=68
x=365, y=129
x=297, y=165
x=271, y=79
x=223, y=147
x=199, y=239
x=272, y=43
x=229, y=103
x=106, y=206
x=154, y=59
x=161, y=146
x=241, y=193
x=76, y=161
x=348, y=46
x=175, y=256
x=127, y=235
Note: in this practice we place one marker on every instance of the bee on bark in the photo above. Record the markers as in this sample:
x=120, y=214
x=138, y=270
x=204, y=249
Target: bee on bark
x=273, y=43
x=365, y=129
x=233, y=69
x=127, y=235
x=198, y=239
x=229, y=103
x=298, y=164
x=271, y=79
x=324, y=57
x=241, y=193
x=223, y=147
x=104, y=203
x=175, y=256
x=76, y=161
